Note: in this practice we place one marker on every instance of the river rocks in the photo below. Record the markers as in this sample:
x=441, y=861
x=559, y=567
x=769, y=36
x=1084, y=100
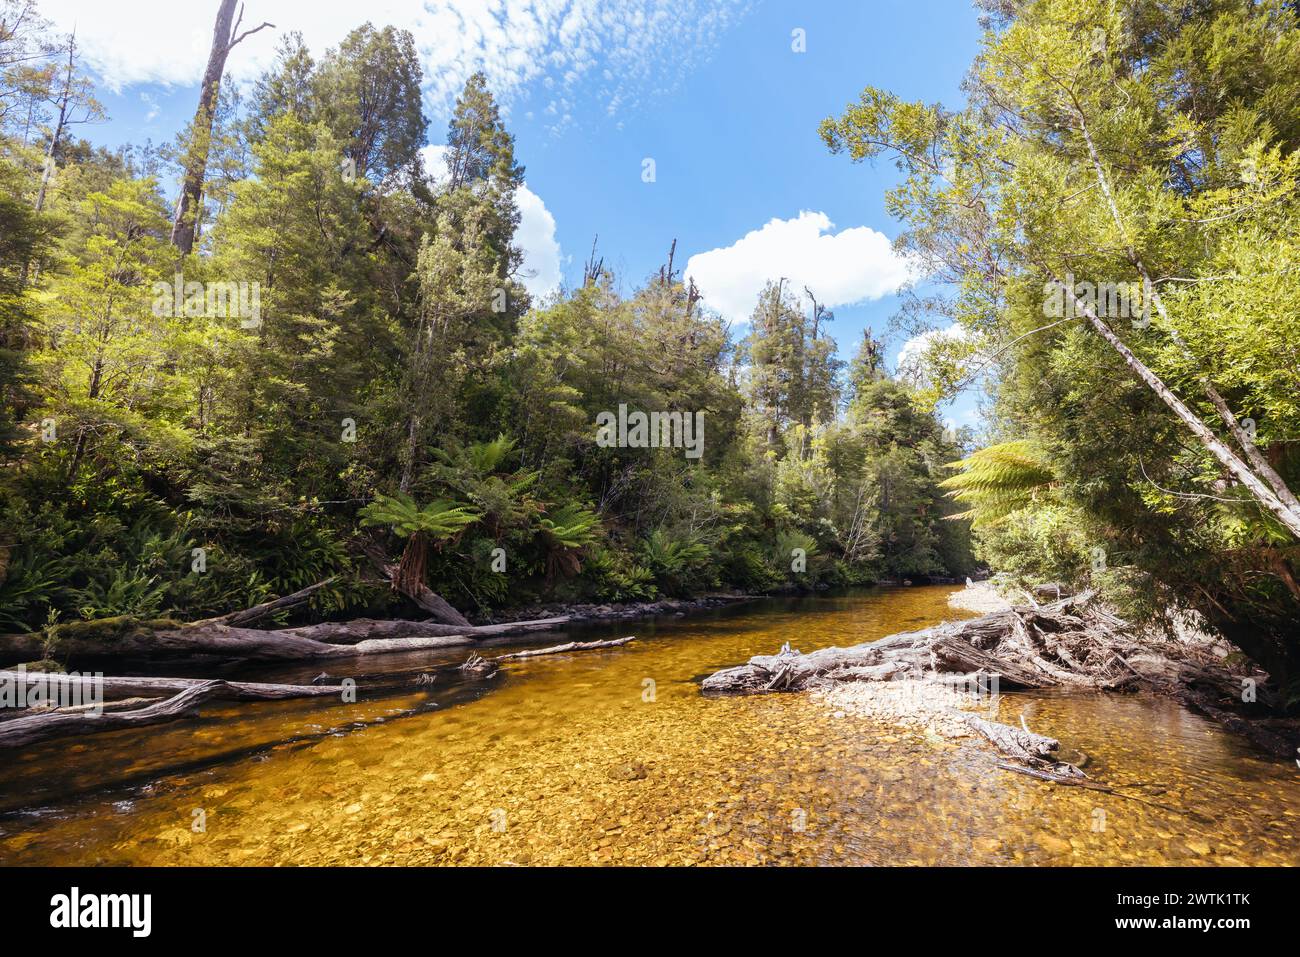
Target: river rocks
x=634, y=771
x=1052, y=844
x=980, y=598
x=922, y=705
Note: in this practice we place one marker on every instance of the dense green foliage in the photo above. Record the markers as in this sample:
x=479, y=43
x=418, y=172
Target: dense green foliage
x=372, y=377
x=1117, y=143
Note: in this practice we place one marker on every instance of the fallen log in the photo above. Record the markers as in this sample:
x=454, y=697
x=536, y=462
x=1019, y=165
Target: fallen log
x=428, y=599
x=366, y=629
x=793, y=671
x=1016, y=743
x=258, y=612
x=164, y=638
x=127, y=687
x=1262, y=736
x=567, y=647
x=36, y=728
x=123, y=704
x=956, y=655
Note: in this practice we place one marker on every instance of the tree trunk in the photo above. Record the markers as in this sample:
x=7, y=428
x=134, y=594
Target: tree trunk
x=426, y=598
x=224, y=39
x=114, y=687
x=1277, y=484
x=567, y=647
x=1262, y=493
x=256, y=612
x=33, y=729
x=127, y=638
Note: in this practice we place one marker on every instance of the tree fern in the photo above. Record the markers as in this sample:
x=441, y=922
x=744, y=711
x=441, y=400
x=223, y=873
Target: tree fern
x=998, y=480
x=566, y=531
x=439, y=520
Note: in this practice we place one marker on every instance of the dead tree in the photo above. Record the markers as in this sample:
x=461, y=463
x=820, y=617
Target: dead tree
x=593, y=267
x=225, y=36
x=73, y=97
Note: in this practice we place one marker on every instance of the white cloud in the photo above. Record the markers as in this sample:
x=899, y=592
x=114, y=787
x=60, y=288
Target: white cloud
x=540, y=273
x=625, y=48
x=536, y=237
x=851, y=266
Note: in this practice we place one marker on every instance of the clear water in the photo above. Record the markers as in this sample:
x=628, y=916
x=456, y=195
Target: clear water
x=615, y=757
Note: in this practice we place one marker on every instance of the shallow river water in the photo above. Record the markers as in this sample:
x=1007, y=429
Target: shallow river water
x=615, y=757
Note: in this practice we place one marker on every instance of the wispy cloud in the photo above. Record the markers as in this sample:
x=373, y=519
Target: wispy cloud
x=575, y=56
x=151, y=101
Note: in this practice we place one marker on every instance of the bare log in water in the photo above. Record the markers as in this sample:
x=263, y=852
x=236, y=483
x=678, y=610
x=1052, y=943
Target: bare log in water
x=36, y=728
x=567, y=647
x=127, y=637
x=85, y=686
x=1016, y=743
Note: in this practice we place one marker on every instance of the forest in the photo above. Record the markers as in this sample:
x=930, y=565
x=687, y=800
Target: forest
x=321, y=357
x=289, y=449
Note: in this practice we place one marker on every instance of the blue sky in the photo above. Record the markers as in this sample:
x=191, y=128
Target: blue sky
x=712, y=92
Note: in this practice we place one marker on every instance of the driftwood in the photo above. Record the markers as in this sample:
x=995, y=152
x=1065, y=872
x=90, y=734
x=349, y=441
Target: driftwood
x=127, y=637
x=123, y=704
x=33, y=729
x=568, y=646
x=115, y=687
x=1015, y=742
x=478, y=667
x=1073, y=643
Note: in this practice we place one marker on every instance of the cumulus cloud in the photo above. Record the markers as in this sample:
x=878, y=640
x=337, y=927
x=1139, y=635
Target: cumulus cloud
x=851, y=266
x=612, y=52
x=540, y=273
x=536, y=237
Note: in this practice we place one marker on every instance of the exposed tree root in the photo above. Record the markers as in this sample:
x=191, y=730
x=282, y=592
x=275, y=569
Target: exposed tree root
x=1072, y=643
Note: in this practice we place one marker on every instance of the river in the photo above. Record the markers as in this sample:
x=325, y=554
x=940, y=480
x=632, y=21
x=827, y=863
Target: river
x=615, y=757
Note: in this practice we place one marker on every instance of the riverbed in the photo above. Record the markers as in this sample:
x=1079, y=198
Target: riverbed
x=614, y=757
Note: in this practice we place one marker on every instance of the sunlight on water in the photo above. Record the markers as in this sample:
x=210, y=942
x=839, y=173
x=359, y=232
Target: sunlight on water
x=615, y=757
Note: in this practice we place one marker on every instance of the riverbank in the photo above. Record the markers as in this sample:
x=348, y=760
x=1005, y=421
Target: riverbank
x=595, y=612
x=978, y=597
